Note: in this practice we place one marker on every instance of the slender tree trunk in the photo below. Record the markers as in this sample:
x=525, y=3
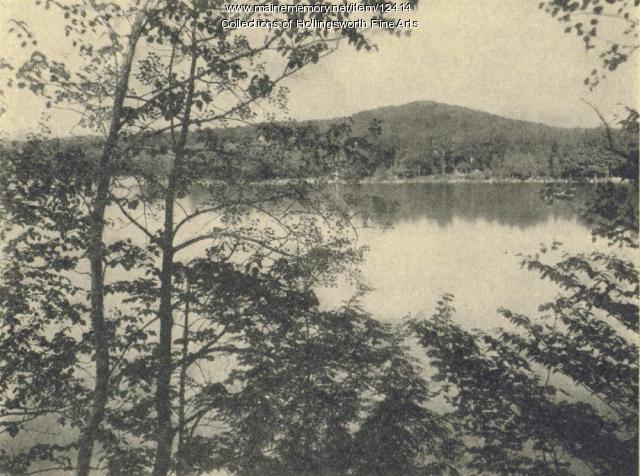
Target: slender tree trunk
x=96, y=255
x=181, y=464
x=163, y=386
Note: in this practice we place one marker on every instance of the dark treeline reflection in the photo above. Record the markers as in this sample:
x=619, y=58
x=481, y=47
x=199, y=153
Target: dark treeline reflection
x=520, y=205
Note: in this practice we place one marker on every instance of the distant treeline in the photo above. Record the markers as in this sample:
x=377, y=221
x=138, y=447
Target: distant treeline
x=414, y=140
x=426, y=138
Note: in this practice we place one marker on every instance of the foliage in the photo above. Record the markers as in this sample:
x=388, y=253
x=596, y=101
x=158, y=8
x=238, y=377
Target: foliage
x=231, y=276
x=410, y=140
x=312, y=378
x=45, y=338
x=587, y=18
x=556, y=395
x=613, y=213
x=520, y=165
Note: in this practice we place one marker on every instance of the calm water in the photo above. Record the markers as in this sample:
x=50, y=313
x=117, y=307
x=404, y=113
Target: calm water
x=462, y=239
x=459, y=238
x=428, y=239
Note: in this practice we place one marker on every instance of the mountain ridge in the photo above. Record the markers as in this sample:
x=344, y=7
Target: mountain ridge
x=429, y=102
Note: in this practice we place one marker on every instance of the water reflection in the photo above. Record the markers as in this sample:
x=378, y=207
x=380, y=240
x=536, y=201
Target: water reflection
x=519, y=205
x=462, y=239
x=456, y=238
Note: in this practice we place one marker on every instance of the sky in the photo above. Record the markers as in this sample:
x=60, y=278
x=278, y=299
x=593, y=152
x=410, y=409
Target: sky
x=501, y=56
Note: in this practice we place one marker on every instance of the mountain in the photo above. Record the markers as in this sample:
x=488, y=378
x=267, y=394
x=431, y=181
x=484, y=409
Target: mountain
x=423, y=125
x=426, y=137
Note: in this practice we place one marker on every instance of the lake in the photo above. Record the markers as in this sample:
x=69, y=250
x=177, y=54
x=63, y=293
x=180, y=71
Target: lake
x=462, y=239
x=428, y=239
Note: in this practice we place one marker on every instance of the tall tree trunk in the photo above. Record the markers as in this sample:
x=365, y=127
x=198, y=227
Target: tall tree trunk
x=96, y=255
x=163, y=386
x=181, y=464
x=164, y=432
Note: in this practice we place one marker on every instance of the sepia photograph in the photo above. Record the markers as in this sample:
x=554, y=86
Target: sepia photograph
x=319, y=237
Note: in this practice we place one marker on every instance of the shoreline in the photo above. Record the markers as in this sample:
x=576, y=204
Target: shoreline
x=491, y=180
x=431, y=179
x=444, y=180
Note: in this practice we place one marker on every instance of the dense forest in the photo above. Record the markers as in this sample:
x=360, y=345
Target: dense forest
x=431, y=139
x=427, y=138
x=419, y=139
x=140, y=336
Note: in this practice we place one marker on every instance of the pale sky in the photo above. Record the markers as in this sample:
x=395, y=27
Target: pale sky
x=501, y=56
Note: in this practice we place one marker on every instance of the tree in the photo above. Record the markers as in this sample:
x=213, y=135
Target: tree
x=170, y=93
x=230, y=72
x=556, y=394
x=520, y=165
x=306, y=378
x=399, y=432
x=39, y=299
x=86, y=24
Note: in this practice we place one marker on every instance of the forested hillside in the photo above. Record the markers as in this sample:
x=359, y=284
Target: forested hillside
x=422, y=138
x=418, y=139
x=428, y=138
